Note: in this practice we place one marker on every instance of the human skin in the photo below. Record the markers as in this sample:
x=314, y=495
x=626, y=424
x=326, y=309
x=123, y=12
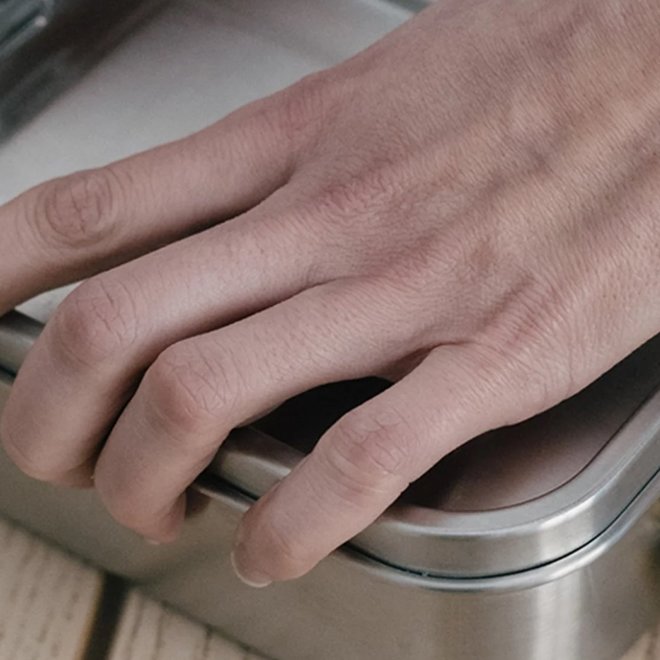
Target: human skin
x=469, y=208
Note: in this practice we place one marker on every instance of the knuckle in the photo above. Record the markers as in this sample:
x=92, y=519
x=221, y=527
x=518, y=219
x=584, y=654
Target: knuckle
x=367, y=457
x=298, y=110
x=521, y=385
x=96, y=323
x=78, y=211
x=531, y=347
x=341, y=199
x=189, y=391
x=365, y=194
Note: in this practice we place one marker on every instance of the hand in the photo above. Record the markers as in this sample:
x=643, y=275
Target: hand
x=471, y=208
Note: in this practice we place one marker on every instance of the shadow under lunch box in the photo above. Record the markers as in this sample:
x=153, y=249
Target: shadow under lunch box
x=539, y=541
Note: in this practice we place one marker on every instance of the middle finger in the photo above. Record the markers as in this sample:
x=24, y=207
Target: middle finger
x=201, y=388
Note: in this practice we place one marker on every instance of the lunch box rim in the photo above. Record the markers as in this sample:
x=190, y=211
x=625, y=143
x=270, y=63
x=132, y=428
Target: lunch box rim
x=451, y=544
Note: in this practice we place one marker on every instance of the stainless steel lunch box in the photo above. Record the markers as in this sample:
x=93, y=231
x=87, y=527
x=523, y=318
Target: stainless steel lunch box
x=535, y=542
x=539, y=541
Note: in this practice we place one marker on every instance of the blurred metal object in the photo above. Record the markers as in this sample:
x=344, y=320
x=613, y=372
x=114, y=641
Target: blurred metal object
x=21, y=21
x=45, y=45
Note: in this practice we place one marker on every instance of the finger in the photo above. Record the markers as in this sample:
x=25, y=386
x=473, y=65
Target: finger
x=200, y=389
x=73, y=227
x=108, y=331
x=362, y=464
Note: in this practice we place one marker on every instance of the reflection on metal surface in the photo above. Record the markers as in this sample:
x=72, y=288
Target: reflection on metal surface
x=20, y=21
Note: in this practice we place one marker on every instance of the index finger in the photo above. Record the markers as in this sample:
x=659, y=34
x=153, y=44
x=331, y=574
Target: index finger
x=76, y=226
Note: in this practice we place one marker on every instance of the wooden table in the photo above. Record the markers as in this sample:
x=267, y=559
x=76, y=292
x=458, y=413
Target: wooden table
x=54, y=607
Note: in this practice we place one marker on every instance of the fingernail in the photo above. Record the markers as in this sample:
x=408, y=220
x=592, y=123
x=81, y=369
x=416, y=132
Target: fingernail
x=251, y=578
x=152, y=541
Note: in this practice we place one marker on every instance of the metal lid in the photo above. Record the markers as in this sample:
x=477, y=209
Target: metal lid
x=512, y=499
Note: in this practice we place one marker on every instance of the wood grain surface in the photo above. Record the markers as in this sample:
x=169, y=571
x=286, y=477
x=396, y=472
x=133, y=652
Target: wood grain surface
x=149, y=631
x=47, y=599
x=50, y=605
